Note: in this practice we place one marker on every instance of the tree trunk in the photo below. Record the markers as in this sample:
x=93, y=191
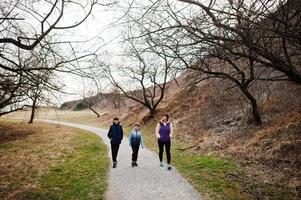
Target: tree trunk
x=33, y=110
x=114, y=102
x=118, y=102
x=152, y=112
x=176, y=81
x=255, y=111
x=254, y=106
x=93, y=110
x=294, y=77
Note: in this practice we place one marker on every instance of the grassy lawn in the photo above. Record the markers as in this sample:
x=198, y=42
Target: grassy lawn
x=83, y=117
x=43, y=161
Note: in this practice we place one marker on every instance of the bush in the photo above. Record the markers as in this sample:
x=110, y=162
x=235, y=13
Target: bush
x=80, y=106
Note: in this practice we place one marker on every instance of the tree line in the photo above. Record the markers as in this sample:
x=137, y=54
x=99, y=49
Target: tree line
x=244, y=42
x=32, y=51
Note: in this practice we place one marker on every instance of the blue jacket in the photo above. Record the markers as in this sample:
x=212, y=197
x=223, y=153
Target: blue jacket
x=136, y=138
x=115, y=133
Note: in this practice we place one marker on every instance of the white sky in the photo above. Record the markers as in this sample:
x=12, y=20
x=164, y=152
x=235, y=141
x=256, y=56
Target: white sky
x=99, y=29
x=106, y=23
x=102, y=28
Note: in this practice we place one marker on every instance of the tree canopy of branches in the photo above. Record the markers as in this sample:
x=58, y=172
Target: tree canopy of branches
x=145, y=78
x=31, y=48
x=41, y=86
x=241, y=41
x=27, y=23
x=20, y=88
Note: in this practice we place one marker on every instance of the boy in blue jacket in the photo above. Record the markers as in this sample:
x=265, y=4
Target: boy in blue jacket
x=135, y=140
x=116, y=135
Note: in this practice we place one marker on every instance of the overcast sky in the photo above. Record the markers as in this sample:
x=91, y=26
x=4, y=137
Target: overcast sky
x=104, y=28
x=101, y=29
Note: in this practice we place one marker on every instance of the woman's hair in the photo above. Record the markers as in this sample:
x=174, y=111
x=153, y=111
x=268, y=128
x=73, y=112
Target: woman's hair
x=166, y=115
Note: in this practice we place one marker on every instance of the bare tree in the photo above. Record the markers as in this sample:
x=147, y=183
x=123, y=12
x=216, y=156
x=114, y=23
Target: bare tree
x=240, y=41
x=116, y=97
x=40, y=85
x=40, y=21
x=145, y=78
x=91, y=102
x=267, y=31
x=11, y=93
x=92, y=95
x=25, y=26
x=30, y=45
x=35, y=77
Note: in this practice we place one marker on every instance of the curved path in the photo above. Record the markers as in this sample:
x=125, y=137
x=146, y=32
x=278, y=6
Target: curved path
x=149, y=181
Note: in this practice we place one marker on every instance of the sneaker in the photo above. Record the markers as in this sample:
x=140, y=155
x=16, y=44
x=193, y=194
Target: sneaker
x=169, y=168
x=136, y=165
x=161, y=164
x=133, y=164
x=114, y=164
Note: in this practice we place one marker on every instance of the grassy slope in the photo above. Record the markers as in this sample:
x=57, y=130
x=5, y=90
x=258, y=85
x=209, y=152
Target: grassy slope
x=216, y=177
x=74, y=167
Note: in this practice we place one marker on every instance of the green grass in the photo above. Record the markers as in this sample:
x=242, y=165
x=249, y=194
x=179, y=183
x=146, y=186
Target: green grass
x=82, y=175
x=208, y=174
x=4, y=146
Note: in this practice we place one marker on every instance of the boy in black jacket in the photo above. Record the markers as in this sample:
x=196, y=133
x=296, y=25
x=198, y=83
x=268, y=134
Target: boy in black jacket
x=116, y=135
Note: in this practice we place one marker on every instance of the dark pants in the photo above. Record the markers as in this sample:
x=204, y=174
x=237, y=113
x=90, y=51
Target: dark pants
x=161, y=150
x=114, y=149
x=135, y=149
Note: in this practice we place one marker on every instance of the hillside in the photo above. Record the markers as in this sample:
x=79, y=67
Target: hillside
x=212, y=119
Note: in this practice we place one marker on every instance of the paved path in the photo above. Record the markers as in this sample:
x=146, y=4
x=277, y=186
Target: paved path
x=149, y=181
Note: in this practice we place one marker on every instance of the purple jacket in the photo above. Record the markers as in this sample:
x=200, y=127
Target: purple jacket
x=164, y=132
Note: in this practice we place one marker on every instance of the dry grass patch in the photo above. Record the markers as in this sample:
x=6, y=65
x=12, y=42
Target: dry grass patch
x=85, y=116
x=31, y=151
x=25, y=159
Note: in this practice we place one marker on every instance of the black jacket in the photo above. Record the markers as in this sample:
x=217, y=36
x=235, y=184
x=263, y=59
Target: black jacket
x=115, y=133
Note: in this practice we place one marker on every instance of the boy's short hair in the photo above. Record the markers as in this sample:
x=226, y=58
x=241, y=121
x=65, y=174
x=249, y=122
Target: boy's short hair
x=115, y=118
x=137, y=124
x=166, y=115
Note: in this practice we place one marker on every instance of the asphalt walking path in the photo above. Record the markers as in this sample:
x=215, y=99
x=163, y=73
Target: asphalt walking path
x=148, y=181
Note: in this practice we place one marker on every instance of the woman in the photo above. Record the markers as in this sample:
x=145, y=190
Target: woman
x=164, y=132
x=135, y=141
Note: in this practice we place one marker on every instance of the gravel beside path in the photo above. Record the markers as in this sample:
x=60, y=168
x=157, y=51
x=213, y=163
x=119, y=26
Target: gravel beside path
x=149, y=181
